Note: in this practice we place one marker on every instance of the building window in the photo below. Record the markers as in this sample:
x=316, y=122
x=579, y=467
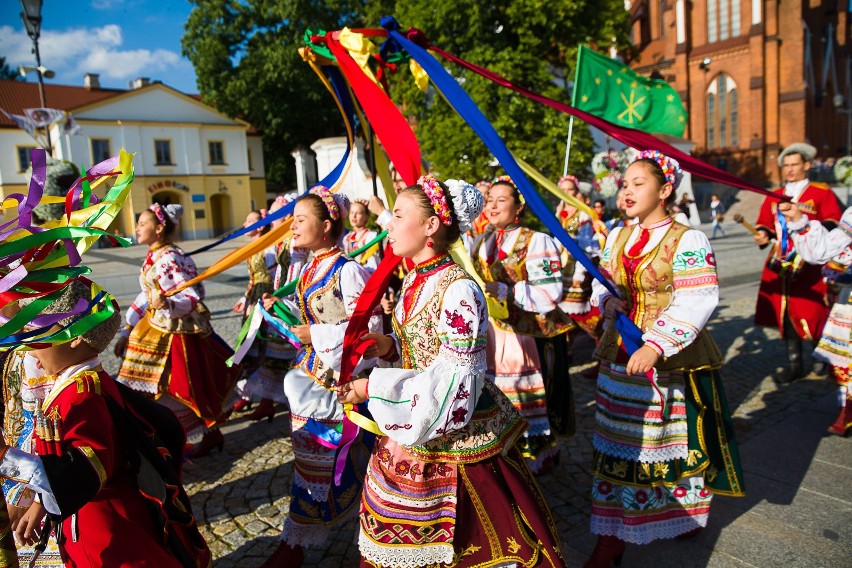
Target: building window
x=251, y=167
x=722, y=113
x=723, y=20
x=163, y=152
x=100, y=150
x=662, y=18
x=217, y=152
x=25, y=157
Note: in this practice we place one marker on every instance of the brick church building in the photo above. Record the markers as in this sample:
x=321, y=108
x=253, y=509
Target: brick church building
x=754, y=75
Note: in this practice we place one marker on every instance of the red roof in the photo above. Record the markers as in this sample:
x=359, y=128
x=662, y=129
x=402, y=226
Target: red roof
x=15, y=96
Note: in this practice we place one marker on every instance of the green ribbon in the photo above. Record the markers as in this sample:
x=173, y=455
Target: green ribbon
x=358, y=251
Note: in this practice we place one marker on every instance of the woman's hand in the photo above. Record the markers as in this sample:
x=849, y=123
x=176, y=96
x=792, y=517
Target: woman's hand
x=159, y=302
x=642, y=361
x=240, y=306
x=269, y=301
x=388, y=303
x=353, y=392
x=28, y=530
x=120, y=346
x=303, y=332
x=790, y=210
x=382, y=346
x=614, y=305
x=376, y=206
x=15, y=515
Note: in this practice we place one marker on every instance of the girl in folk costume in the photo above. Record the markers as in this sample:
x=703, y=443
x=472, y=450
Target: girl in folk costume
x=169, y=347
x=275, y=353
x=360, y=235
x=817, y=245
x=656, y=466
x=327, y=292
x=527, y=352
x=447, y=484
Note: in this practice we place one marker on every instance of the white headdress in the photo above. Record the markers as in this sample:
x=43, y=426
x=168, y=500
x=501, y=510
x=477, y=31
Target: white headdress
x=467, y=202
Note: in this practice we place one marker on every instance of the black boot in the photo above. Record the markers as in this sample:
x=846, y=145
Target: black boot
x=795, y=369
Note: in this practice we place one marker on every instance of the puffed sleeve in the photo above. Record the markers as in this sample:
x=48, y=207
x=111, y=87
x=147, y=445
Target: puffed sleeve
x=384, y=218
x=173, y=269
x=599, y=291
x=695, y=296
x=136, y=311
x=541, y=292
x=413, y=406
x=816, y=244
x=326, y=338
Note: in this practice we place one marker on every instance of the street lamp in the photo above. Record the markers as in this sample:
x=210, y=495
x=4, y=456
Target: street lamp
x=32, y=22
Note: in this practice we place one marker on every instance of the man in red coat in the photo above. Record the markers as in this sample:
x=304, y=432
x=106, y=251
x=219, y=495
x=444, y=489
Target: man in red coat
x=792, y=295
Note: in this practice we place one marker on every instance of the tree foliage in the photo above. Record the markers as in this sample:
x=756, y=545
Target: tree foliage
x=7, y=72
x=245, y=57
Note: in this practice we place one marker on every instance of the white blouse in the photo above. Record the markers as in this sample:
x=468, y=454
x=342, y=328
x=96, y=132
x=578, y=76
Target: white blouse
x=171, y=269
x=819, y=245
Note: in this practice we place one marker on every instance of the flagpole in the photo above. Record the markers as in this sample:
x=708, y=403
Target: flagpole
x=568, y=146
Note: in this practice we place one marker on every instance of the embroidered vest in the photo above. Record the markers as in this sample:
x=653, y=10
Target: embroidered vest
x=321, y=301
x=510, y=271
x=258, y=271
x=495, y=424
x=651, y=293
x=196, y=321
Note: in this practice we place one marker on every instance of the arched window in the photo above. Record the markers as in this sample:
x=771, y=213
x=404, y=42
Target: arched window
x=723, y=20
x=722, y=113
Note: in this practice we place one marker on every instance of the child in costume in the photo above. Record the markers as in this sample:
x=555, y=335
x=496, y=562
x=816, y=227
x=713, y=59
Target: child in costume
x=662, y=447
x=328, y=290
x=447, y=484
x=817, y=245
x=169, y=347
x=82, y=470
x=360, y=235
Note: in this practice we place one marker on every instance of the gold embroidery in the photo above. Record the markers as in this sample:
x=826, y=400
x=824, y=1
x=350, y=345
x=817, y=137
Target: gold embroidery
x=712, y=473
x=95, y=461
x=644, y=471
x=661, y=469
x=512, y=544
x=617, y=469
x=693, y=457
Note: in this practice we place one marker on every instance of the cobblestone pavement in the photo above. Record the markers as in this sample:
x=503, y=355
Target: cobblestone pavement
x=241, y=494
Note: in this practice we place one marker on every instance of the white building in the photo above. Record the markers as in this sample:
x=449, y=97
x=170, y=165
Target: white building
x=186, y=151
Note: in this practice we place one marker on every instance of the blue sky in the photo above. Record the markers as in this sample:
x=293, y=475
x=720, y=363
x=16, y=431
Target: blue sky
x=118, y=39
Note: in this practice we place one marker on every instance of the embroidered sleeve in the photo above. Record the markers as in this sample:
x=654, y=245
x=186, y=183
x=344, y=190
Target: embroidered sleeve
x=413, y=406
x=599, y=292
x=173, y=269
x=816, y=244
x=541, y=292
x=326, y=338
x=136, y=311
x=695, y=296
x=28, y=472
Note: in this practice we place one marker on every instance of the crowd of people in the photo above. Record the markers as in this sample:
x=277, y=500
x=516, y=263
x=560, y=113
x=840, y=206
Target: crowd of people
x=462, y=380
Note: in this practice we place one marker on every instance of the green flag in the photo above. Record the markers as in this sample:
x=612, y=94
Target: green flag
x=611, y=90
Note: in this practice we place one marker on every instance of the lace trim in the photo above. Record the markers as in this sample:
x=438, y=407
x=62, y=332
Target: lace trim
x=405, y=557
x=648, y=532
x=317, y=492
x=575, y=308
x=616, y=387
x=642, y=455
x=140, y=386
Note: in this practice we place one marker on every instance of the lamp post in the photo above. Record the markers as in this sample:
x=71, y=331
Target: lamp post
x=32, y=22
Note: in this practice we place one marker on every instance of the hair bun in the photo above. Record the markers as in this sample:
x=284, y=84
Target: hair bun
x=174, y=211
x=467, y=202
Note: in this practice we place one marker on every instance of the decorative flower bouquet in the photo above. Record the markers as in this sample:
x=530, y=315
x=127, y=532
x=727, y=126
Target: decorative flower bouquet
x=608, y=168
x=843, y=171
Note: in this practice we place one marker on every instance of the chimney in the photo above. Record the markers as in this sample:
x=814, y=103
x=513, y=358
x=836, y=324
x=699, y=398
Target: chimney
x=139, y=82
x=92, y=81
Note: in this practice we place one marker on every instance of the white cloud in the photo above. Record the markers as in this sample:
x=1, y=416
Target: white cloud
x=107, y=4
x=77, y=51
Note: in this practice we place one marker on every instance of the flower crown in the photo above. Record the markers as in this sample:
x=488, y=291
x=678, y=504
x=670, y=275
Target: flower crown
x=572, y=179
x=327, y=197
x=158, y=213
x=671, y=169
x=432, y=189
x=508, y=180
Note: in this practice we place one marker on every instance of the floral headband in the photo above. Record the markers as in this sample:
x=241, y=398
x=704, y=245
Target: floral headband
x=158, y=213
x=327, y=197
x=432, y=189
x=508, y=180
x=572, y=179
x=671, y=169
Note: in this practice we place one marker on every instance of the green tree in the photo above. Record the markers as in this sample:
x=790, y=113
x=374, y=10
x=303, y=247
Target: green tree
x=530, y=42
x=7, y=72
x=246, y=60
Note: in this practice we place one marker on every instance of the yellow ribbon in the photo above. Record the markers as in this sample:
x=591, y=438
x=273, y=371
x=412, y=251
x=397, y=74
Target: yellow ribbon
x=361, y=421
x=360, y=49
x=421, y=78
x=496, y=308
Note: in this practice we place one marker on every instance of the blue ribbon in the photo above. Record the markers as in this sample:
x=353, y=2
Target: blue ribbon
x=323, y=431
x=631, y=336
x=19, y=339
x=279, y=326
x=342, y=92
x=785, y=234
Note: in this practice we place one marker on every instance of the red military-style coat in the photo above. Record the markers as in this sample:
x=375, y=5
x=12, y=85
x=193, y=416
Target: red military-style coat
x=801, y=294
x=105, y=519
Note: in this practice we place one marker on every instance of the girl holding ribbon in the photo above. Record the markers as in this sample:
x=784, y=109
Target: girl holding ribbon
x=664, y=441
x=328, y=290
x=446, y=484
x=170, y=350
x=360, y=235
x=526, y=352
